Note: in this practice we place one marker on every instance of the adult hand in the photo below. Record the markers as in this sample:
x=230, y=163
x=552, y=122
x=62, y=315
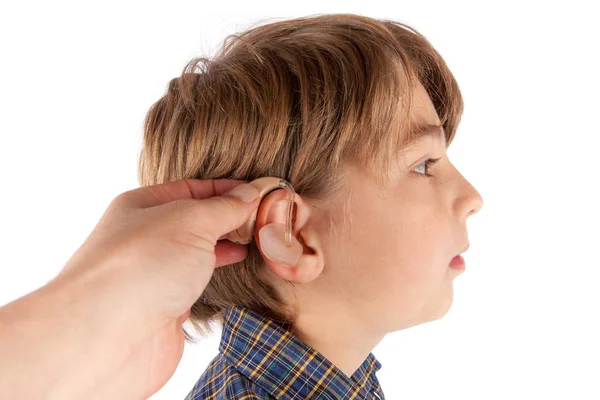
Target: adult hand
x=115, y=310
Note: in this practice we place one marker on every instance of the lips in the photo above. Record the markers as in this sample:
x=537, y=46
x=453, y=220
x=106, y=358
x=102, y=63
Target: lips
x=458, y=261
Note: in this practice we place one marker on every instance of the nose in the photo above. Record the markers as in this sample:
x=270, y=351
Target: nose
x=469, y=200
x=472, y=199
x=476, y=201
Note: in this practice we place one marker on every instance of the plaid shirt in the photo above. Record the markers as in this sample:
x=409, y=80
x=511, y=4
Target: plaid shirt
x=260, y=360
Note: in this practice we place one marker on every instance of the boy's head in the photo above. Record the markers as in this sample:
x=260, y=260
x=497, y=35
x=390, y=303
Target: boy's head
x=338, y=105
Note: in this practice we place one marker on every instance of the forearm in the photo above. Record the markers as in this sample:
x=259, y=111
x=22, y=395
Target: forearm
x=57, y=343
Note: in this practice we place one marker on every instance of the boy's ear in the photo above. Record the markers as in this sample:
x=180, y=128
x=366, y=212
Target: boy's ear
x=303, y=262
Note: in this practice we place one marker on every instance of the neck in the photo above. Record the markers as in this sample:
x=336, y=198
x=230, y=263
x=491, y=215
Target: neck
x=339, y=336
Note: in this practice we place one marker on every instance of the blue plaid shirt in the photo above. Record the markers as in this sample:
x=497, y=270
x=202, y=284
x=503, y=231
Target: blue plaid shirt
x=258, y=359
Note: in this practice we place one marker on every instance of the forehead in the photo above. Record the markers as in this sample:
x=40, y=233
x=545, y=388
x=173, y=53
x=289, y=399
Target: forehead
x=424, y=120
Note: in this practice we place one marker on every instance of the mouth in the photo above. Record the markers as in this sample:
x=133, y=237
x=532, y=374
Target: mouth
x=458, y=262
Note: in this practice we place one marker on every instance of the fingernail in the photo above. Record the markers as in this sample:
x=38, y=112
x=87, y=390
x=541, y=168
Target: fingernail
x=244, y=192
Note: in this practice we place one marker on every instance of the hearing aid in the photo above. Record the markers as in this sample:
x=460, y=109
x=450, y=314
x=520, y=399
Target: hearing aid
x=265, y=185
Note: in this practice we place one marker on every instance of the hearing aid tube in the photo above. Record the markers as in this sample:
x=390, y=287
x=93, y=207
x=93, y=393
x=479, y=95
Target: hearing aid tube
x=288, y=231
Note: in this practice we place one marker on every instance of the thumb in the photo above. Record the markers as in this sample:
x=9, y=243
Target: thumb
x=244, y=191
x=228, y=212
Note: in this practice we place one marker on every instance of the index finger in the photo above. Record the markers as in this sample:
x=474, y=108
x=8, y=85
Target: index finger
x=162, y=193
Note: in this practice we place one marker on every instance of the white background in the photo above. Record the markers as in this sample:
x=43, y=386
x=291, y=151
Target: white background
x=77, y=79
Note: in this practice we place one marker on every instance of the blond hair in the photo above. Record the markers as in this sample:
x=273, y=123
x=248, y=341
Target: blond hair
x=297, y=99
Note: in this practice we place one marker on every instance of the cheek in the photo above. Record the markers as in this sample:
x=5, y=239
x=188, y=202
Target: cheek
x=390, y=256
x=398, y=258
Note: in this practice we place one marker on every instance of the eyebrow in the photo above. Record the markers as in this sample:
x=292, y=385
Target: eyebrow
x=425, y=129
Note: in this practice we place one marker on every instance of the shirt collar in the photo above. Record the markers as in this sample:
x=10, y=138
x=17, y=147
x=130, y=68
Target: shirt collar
x=284, y=365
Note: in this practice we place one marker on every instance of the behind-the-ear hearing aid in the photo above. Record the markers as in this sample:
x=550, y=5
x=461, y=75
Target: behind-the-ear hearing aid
x=265, y=185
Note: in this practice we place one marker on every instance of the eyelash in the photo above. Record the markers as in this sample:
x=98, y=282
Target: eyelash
x=429, y=163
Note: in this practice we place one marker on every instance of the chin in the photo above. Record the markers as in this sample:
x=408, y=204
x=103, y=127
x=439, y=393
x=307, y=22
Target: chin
x=403, y=323
x=446, y=303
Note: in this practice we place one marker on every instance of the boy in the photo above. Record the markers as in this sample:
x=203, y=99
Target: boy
x=353, y=112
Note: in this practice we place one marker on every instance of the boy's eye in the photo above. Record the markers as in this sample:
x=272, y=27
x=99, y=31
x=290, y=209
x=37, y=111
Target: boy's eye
x=428, y=164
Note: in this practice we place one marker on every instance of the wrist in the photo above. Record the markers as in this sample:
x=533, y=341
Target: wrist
x=39, y=346
x=110, y=332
